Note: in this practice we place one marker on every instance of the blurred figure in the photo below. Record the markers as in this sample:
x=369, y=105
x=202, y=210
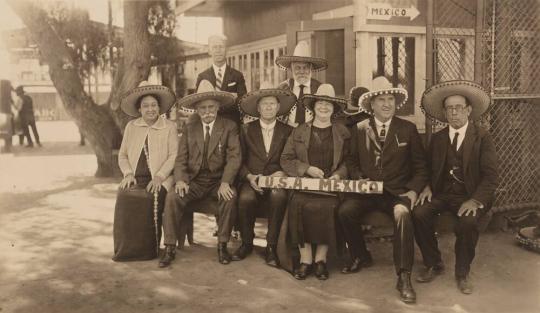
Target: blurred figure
x=26, y=115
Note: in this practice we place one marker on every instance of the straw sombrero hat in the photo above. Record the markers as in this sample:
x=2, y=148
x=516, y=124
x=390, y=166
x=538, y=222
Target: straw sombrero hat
x=381, y=86
x=325, y=92
x=164, y=96
x=301, y=53
x=286, y=98
x=206, y=91
x=432, y=99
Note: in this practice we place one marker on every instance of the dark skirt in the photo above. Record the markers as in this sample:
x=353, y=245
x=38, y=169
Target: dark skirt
x=312, y=218
x=134, y=230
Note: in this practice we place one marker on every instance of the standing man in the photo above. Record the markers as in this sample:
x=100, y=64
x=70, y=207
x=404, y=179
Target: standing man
x=301, y=64
x=262, y=145
x=464, y=176
x=388, y=149
x=27, y=116
x=223, y=77
x=207, y=163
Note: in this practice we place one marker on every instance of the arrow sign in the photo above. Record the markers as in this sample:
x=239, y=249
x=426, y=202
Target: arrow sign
x=384, y=11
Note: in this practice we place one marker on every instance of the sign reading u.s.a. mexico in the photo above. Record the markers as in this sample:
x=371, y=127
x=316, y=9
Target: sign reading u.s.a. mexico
x=321, y=184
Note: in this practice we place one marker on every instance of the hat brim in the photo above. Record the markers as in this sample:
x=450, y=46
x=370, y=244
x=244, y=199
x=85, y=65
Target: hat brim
x=248, y=103
x=166, y=99
x=339, y=104
x=319, y=64
x=190, y=102
x=400, y=94
x=432, y=99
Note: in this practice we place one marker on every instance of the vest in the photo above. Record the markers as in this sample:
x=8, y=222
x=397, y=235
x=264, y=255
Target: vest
x=454, y=184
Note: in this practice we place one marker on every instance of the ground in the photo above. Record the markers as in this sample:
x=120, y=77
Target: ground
x=56, y=246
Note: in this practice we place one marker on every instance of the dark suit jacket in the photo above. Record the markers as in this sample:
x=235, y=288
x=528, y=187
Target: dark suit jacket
x=224, y=153
x=479, y=163
x=288, y=85
x=233, y=81
x=401, y=165
x=256, y=161
x=295, y=159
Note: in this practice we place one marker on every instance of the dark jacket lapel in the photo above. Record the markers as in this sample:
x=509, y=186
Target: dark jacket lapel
x=440, y=147
x=468, y=144
x=338, y=146
x=215, y=136
x=306, y=137
x=255, y=136
x=390, y=135
x=199, y=135
x=371, y=133
x=278, y=131
x=226, y=77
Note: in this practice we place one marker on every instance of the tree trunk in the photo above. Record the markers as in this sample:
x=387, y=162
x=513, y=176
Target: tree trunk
x=95, y=122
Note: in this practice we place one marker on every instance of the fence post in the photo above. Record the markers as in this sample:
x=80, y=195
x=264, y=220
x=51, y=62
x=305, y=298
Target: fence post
x=478, y=42
x=429, y=61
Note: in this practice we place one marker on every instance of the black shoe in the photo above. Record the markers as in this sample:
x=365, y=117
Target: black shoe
x=242, y=252
x=168, y=257
x=223, y=255
x=321, y=272
x=464, y=285
x=429, y=273
x=271, y=257
x=357, y=264
x=303, y=271
x=405, y=288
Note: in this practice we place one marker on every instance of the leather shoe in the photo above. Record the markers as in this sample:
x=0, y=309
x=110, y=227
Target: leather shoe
x=303, y=271
x=168, y=256
x=223, y=255
x=271, y=257
x=242, y=252
x=357, y=264
x=405, y=288
x=429, y=273
x=321, y=272
x=464, y=285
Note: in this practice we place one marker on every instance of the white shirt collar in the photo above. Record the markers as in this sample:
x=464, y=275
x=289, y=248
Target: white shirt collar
x=267, y=126
x=380, y=124
x=216, y=69
x=297, y=84
x=461, y=130
x=159, y=124
x=209, y=124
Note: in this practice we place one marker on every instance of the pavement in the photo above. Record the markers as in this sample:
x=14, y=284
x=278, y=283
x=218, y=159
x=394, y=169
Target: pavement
x=56, y=246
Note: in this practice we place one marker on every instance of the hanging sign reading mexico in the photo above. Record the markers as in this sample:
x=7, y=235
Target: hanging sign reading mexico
x=321, y=184
x=385, y=11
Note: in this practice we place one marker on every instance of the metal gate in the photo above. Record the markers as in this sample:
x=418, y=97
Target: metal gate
x=497, y=44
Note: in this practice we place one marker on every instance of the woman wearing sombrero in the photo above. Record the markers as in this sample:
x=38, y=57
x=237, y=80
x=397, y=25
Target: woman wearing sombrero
x=146, y=159
x=316, y=149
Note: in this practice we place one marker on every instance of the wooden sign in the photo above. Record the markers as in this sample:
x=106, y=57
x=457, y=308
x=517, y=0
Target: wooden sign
x=322, y=184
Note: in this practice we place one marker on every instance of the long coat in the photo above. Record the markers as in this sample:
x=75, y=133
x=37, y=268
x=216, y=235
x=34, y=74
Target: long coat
x=233, y=81
x=479, y=163
x=400, y=164
x=223, y=151
x=256, y=160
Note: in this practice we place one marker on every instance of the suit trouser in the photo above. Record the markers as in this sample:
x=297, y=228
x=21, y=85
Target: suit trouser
x=466, y=230
x=274, y=200
x=26, y=125
x=355, y=207
x=199, y=188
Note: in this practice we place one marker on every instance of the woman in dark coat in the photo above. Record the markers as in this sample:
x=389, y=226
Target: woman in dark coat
x=315, y=149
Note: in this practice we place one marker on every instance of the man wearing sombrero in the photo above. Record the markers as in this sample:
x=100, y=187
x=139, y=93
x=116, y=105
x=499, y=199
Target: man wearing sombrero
x=302, y=65
x=464, y=176
x=388, y=149
x=262, y=144
x=208, y=161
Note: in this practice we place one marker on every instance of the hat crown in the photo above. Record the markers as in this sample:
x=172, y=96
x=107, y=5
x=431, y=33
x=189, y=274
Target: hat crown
x=381, y=83
x=145, y=83
x=326, y=90
x=205, y=86
x=302, y=49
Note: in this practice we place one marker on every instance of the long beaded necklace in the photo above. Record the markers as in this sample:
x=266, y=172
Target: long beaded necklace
x=155, y=196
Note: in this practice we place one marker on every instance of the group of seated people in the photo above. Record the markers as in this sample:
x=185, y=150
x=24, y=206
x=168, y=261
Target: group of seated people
x=165, y=178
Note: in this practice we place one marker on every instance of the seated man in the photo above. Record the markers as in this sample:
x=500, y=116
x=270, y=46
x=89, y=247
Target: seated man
x=262, y=145
x=389, y=149
x=207, y=163
x=463, y=176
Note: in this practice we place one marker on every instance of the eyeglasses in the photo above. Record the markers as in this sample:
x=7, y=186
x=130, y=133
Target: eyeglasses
x=458, y=109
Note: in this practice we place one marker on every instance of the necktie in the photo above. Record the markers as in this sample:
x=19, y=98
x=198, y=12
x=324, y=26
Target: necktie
x=382, y=136
x=205, y=149
x=454, y=141
x=219, y=79
x=300, y=108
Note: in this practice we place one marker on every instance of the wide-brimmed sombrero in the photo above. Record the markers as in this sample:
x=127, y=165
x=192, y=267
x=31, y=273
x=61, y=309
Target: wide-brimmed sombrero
x=206, y=91
x=381, y=86
x=432, y=99
x=302, y=53
x=248, y=103
x=325, y=92
x=165, y=97
x=529, y=238
x=353, y=107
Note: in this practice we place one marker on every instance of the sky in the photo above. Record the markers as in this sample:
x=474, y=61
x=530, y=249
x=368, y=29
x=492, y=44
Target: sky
x=195, y=29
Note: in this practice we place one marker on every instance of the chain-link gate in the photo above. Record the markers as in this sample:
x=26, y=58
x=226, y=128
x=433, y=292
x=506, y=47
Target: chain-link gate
x=505, y=34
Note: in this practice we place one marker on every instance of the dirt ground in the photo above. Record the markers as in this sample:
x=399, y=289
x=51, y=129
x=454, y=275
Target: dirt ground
x=56, y=247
